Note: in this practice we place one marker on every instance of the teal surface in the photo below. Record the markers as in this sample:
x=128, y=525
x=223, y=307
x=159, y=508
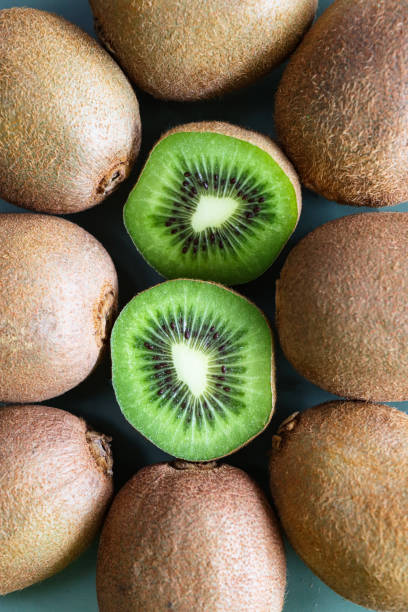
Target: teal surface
x=74, y=588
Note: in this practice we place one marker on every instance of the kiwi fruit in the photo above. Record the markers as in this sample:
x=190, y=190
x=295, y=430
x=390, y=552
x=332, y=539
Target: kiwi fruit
x=58, y=297
x=70, y=125
x=341, y=111
x=339, y=479
x=219, y=200
x=190, y=50
x=56, y=483
x=190, y=537
x=341, y=307
x=193, y=368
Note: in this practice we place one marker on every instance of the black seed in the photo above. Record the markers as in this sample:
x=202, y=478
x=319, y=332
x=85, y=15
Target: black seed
x=186, y=183
x=239, y=194
x=221, y=244
x=227, y=389
x=156, y=357
x=173, y=325
x=257, y=209
x=184, y=190
x=185, y=249
x=174, y=230
x=168, y=372
x=160, y=392
x=251, y=200
x=212, y=238
x=223, y=369
x=182, y=227
x=196, y=241
x=216, y=335
x=187, y=334
x=149, y=346
x=233, y=181
x=205, y=185
x=249, y=215
x=212, y=328
x=177, y=204
x=187, y=174
x=159, y=366
x=195, y=250
x=184, y=404
x=216, y=177
x=223, y=182
x=194, y=190
x=218, y=385
x=244, y=197
x=261, y=200
x=221, y=378
x=164, y=328
x=189, y=239
x=184, y=199
x=222, y=347
x=168, y=223
x=204, y=247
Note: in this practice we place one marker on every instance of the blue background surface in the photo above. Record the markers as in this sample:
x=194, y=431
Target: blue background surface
x=74, y=588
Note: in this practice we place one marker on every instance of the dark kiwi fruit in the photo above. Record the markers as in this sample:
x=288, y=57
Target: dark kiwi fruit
x=339, y=479
x=214, y=201
x=193, y=368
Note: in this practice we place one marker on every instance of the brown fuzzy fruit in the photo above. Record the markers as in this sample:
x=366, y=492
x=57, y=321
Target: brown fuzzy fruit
x=190, y=537
x=56, y=483
x=190, y=49
x=58, y=296
x=341, y=302
x=341, y=108
x=339, y=478
x=69, y=119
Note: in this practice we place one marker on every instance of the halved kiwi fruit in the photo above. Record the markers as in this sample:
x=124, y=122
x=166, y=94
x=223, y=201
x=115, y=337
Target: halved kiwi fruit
x=193, y=368
x=214, y=201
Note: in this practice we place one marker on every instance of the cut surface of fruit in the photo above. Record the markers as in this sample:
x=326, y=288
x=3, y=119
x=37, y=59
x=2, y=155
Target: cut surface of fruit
x=193, y=368
x=212, y=206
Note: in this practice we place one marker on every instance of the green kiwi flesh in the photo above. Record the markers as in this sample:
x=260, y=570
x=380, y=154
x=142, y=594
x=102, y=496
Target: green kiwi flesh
x=211, y=206
x=193, y=368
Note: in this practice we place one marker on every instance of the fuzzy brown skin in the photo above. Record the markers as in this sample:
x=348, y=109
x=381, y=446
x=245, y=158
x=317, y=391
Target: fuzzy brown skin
x=341, y=109
x=259, y=140
x=190, y=538
x=341, y=306
x=190, y=50
x=56, y=483
x=58, y=297
x=69, y=119
x=339, y=478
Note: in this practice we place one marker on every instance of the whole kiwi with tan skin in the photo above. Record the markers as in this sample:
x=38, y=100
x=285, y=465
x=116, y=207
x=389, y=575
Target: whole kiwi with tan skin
x=69, y=119
x=185, y=537
x=339, y=479
x=56, y=484
x=341, y=111
x=190, y=49
x=58, y=298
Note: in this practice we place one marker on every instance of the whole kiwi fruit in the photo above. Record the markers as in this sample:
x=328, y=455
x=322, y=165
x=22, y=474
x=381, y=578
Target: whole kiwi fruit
x=69, y=119
x=56, y=483
x=341, y=111
x=341, y=306
x=339, y=479
x=58, y=297
x=190, y=50
x=189, y=537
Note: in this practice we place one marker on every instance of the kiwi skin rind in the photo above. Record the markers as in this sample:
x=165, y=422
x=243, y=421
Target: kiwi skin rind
x=341, y=311
x=338, y=475
x=255, y=138
x=190, y=528
x=273, y=372
x=83, y=115
x=58, y=299
x=56, y=476
x=343, y=121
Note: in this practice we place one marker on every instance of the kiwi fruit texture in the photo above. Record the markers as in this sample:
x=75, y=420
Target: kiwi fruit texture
x=58, y=297
x=190, y=50
x=218, y=200
x=190, y=537
x=56, y=484
x=69, y=119
x=341, y=111
x=339, y=479
x=341, y=306
x=193, y=368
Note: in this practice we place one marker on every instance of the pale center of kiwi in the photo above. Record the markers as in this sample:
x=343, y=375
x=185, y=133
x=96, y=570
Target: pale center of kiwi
x=212, y=211
x=191, y=366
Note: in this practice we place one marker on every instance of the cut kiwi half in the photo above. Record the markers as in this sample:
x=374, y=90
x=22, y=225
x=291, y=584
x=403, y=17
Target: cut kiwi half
x=215, y=202
x=193, y=368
